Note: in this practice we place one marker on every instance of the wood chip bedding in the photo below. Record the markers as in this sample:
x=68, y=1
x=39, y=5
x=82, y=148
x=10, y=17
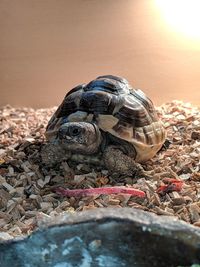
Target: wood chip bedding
x=27, y=186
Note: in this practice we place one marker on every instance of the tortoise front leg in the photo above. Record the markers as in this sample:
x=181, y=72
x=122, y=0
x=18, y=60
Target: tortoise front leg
x=116, y=161
x=52, y=154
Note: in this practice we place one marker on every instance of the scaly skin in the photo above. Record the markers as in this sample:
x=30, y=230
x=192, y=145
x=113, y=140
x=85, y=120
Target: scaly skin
x=52, y=154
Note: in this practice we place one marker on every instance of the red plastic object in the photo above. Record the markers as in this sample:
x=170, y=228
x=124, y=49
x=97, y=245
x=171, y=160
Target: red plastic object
x=99, y=191
x=171, y=185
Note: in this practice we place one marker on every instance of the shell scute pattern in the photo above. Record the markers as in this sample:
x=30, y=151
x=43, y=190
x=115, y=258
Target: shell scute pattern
x=117, y=109
x=96, y=102
x=70, y=103
x=110, y=84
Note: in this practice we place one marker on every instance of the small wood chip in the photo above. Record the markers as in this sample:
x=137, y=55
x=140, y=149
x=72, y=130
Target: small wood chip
x=197, y=223
x=176, y=198
x=194, y=211
x=8, y=186
x=113, y=201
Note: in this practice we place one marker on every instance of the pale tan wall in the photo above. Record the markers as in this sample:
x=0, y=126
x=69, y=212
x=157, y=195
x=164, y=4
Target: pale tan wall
x=49, y=46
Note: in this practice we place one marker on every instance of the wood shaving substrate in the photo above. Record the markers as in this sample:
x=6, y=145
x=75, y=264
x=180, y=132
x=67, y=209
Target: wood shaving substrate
x=26, y=195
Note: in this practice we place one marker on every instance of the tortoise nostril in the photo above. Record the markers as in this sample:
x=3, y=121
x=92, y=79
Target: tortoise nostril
x=62, y=133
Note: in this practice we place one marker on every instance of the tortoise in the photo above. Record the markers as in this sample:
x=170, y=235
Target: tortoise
x=105, y=121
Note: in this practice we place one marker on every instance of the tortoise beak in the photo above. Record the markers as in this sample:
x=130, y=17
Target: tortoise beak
x=63, y=135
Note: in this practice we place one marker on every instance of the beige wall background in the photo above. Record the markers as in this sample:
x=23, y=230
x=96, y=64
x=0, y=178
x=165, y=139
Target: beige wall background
x=49, y=46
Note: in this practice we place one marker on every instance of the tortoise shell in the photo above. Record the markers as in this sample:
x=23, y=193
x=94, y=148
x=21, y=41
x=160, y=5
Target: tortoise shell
x=118, y=109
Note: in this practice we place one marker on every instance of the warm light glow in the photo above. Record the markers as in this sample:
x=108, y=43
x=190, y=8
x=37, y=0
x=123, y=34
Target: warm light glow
x=182, y=15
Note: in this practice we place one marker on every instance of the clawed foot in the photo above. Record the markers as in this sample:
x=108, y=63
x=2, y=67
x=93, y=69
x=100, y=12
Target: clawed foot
x=116, y=161
x=52, y=154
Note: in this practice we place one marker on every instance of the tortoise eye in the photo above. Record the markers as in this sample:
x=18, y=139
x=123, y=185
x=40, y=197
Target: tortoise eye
x=75, y=131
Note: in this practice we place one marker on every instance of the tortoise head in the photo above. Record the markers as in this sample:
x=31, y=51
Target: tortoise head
x=79, y=137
